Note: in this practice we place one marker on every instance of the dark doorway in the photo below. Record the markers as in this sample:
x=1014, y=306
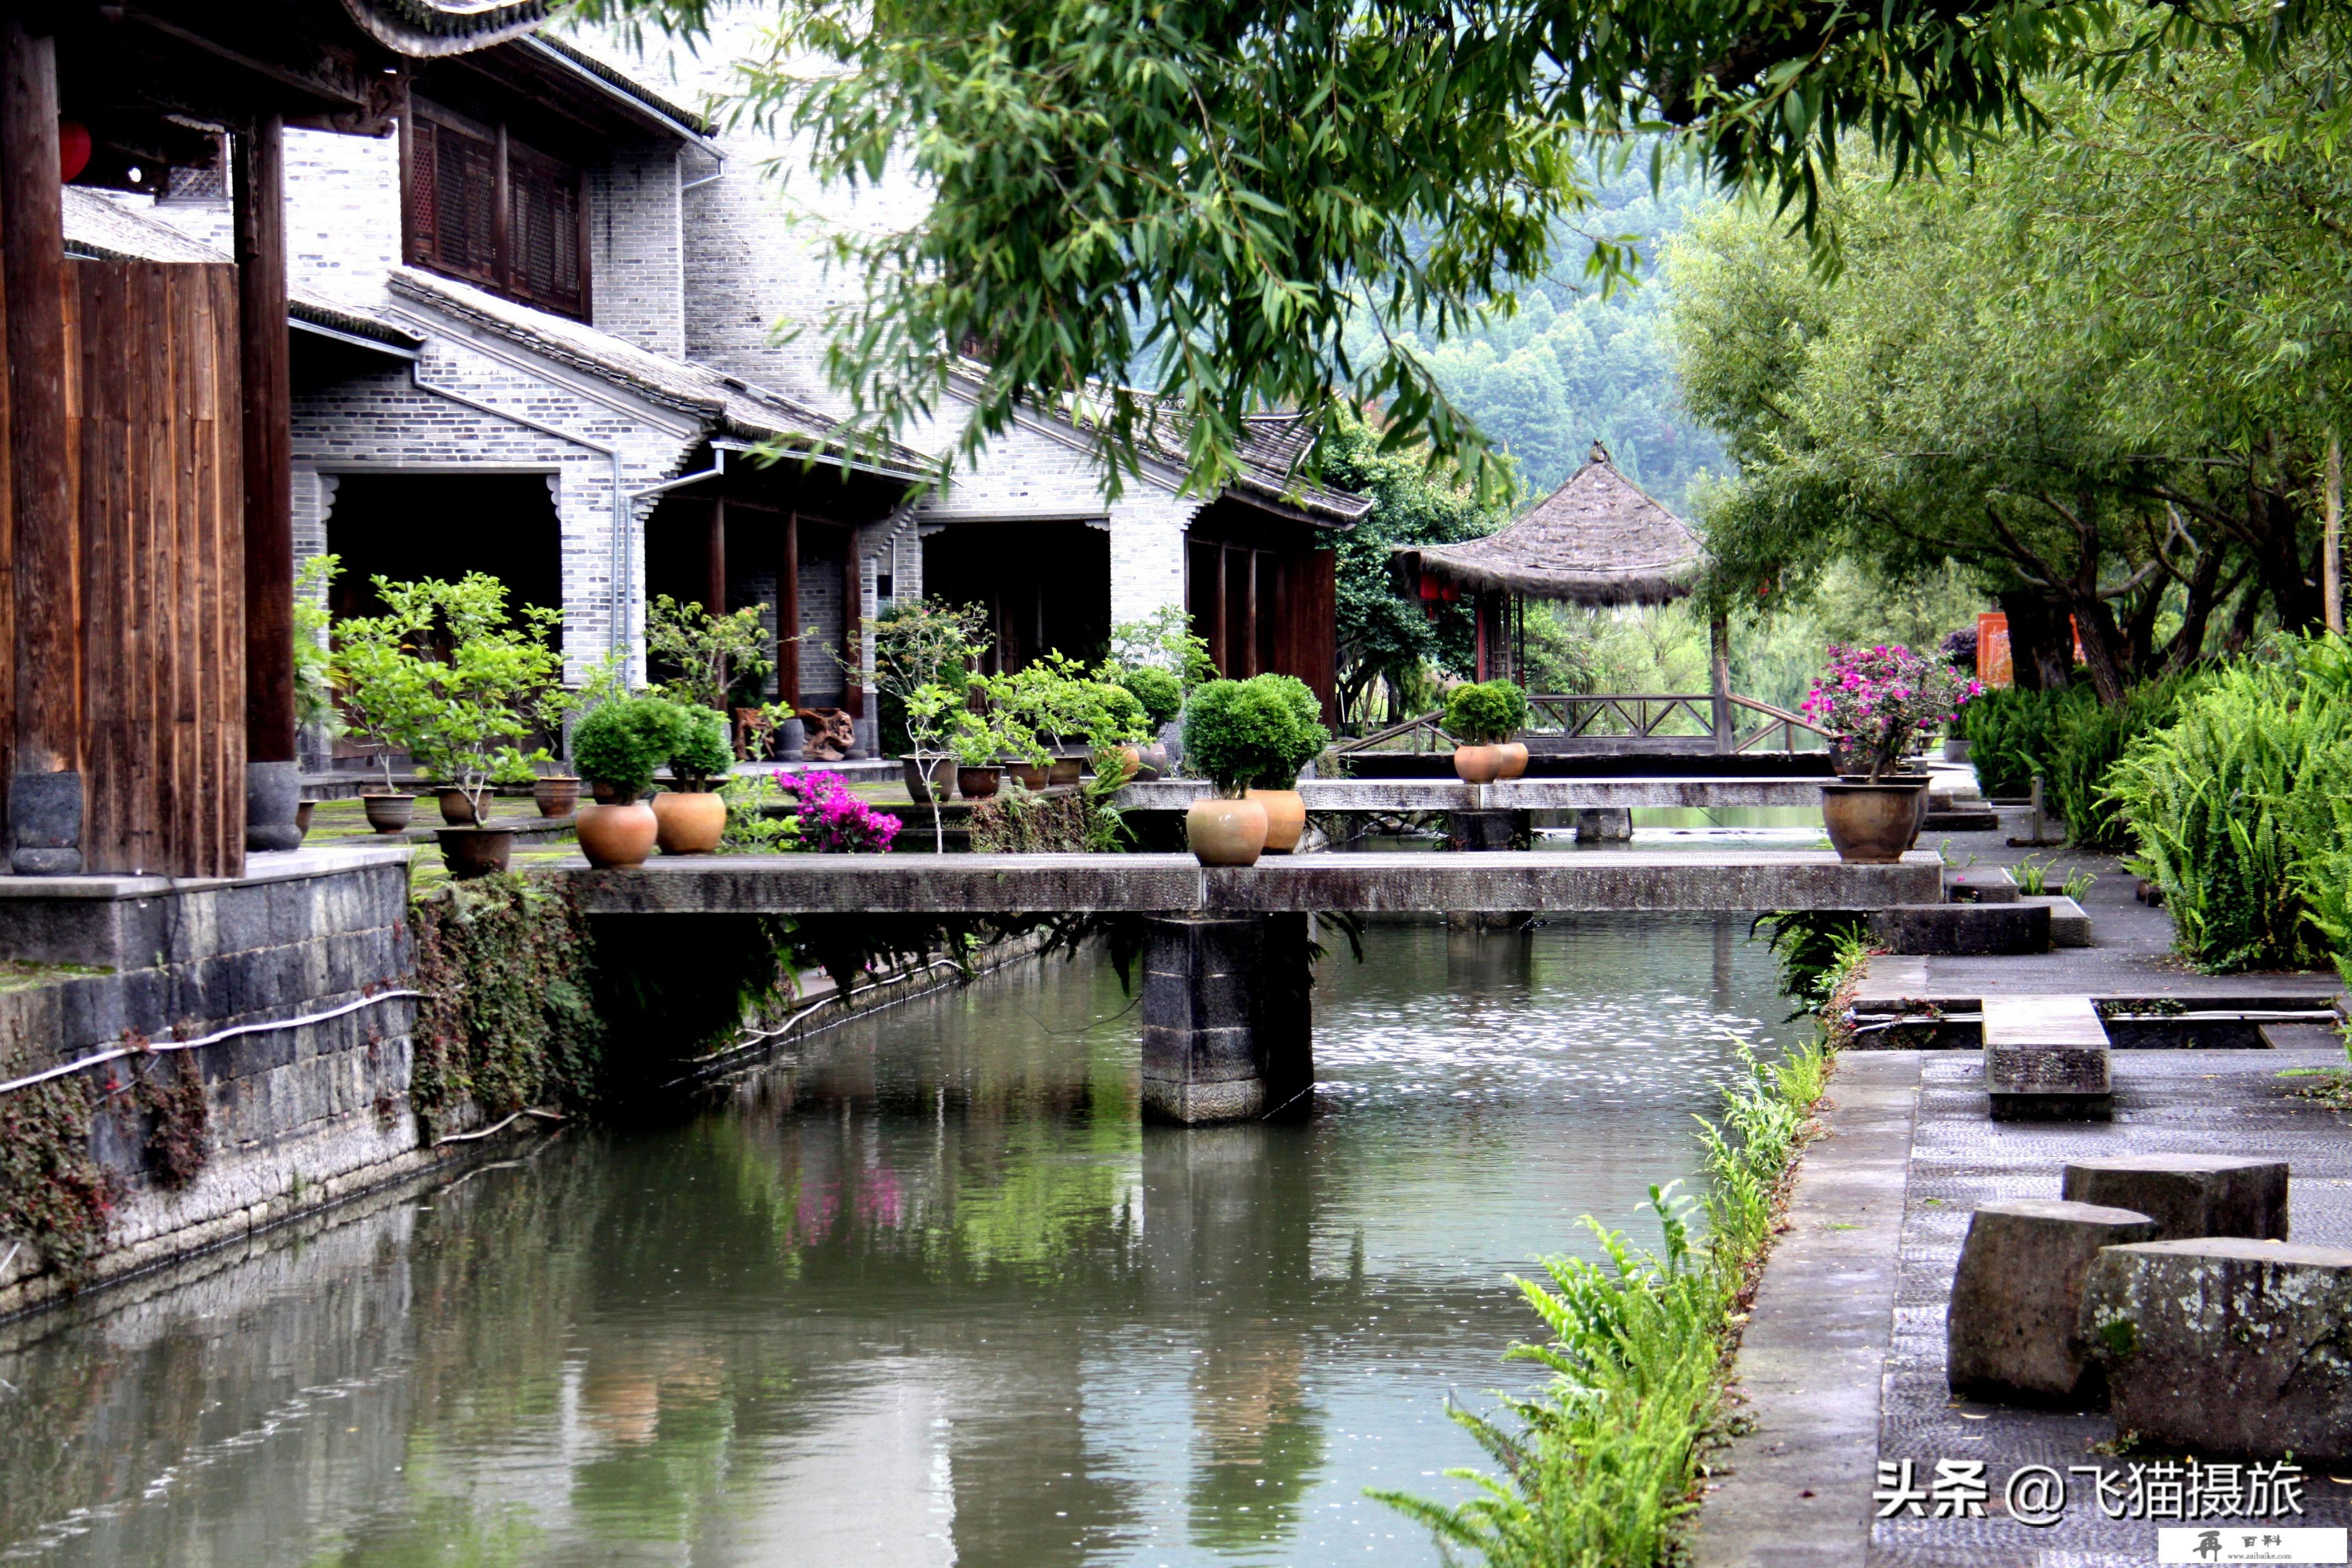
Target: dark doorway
x=1046, y=585
x=404, y=526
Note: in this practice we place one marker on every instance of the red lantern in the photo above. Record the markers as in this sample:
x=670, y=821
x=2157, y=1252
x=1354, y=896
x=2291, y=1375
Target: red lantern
x=73, y=148
x=1428, y=588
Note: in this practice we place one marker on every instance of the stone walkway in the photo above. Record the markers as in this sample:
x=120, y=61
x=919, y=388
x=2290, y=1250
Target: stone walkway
x=1843, y=1362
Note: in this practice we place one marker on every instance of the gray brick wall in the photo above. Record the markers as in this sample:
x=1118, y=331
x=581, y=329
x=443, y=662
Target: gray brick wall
x=637, y=255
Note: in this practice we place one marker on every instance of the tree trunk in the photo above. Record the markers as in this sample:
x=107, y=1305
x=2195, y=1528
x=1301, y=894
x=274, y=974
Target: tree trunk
x=2041, y=644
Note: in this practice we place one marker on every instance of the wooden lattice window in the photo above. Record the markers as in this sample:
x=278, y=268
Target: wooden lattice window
x=482, y=206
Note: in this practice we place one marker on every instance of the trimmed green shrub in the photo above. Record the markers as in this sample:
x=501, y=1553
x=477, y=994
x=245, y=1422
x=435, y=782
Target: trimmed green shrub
x=624, y=741
x=1485, y=713
x=1238, y=734
x=2088, y=738
x=702, y=752
x=1160, y=692
x=2011, y=736
x=1306, y=737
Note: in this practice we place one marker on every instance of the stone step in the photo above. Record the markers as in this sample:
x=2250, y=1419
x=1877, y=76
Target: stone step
x=1980, y=885
x=2070, y=924
x=2188, y=1196
x=1962, y=930
x=2225, y=1345
x=2011, y=1330
x=2046, y=1058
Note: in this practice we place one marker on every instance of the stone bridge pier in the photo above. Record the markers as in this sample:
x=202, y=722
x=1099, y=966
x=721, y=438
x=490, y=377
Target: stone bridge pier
x=1228, y=1018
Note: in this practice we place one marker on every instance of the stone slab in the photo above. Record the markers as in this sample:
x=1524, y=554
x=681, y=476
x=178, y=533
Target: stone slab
x=2046, y=1058
x=1962, y=929
x=2070, y=925
x=2012, y=1332
x=1381, y=883
x=2188, y=1194
x=2226, y=1346
x=1980, y=885
x=1405, y=795
x=1792, y=1489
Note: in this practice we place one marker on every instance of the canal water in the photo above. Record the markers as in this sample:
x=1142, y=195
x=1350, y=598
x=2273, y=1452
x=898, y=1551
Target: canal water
x=926, y=1293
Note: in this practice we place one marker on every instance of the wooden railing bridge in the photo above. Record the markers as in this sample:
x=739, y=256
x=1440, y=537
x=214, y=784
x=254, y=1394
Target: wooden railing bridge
x=1567, y=723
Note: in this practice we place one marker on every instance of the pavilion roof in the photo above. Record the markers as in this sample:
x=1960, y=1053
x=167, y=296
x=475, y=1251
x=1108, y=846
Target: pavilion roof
x=1597, y=539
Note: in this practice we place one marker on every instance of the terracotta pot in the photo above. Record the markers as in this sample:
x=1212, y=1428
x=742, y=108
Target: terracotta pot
x=1223, y=831
x=389, y=813
x=604, y=794
x=1478, y=764
x=1285, y=818
x=1130, y=764
x=556, y=795
x=1153, y=762
x=1066, y=770
x=1030, y=775
x=476, y=852
x=457, y=807
x=1515, y=758
x=1871, y=824
x=911, y=769
x=688, y=821
x=611, y=836
x=976, y=783
x=303, y=819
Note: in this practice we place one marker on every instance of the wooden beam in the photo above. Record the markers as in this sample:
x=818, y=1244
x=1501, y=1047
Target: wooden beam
x=853, y=600
x=45, y=812
x=265, y=365
x=788, y=615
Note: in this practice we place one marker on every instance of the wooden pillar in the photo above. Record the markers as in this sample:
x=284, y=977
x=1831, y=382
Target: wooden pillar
x=852, y=601
x=44, y=793
x=714, y=595
x=273, y=781
x=788, y=615
x=1718, y=667
x=1478, y=620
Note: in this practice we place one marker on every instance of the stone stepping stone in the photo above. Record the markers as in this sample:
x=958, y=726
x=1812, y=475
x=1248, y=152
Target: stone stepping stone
x=2045, y=1058
x=2226, y=1345
x=2188, y=1194
x=2011, y=1334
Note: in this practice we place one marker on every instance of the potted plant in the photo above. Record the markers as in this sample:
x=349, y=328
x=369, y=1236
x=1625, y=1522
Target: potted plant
x=976, y=745
x=1116, y=732
x=386, y=697
x=557, y=794
x=1276, y=785
x=923, y=653
x=1161, y=697
x=618, y=746
x=467, y=733
x=1234, y=732
x=1481, y=715
x=690, y=816
x=1876, y=702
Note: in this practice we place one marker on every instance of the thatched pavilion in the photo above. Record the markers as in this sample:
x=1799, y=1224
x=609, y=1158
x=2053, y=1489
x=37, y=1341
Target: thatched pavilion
x=1597, y=541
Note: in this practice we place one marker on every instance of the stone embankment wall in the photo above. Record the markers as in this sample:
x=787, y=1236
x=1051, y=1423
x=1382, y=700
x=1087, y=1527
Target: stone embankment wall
x=180, y=1150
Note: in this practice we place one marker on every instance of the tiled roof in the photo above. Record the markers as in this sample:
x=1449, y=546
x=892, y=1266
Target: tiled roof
x=738, y=407
x=1273, y=449
x=98, y=225
x=424, y=28
x=615, y=79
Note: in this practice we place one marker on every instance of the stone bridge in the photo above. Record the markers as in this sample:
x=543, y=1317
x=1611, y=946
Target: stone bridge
x=1227, y=1034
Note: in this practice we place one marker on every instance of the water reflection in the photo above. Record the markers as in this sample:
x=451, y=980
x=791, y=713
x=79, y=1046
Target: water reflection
x=929, y=1294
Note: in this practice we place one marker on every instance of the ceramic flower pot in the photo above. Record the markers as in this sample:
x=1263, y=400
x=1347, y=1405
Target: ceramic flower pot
x=1872, y=824
x=556, y=795
x=1478, y=764
x=457, y=807
x=1285, y=818
x=688, y=821
x=1030, y=775
x=919, y=787
x=1066, y=770
x=1514, y=759
x=1223, y=831
x=617, y=836
x=976, y=783
x=1154, y=763
x=389, y=813
x=476, y=852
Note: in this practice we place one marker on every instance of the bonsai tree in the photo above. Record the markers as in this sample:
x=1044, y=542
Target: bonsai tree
x=621, y=743
x=1303, y=738
x=384, y=688
x=928, y=647
x=708, y=652
x=1486, y=712
x=560, y=707
x=1160, y=692
x=482, y=694
x=1165, y=640
x=1236, y=732
x=701, y=755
